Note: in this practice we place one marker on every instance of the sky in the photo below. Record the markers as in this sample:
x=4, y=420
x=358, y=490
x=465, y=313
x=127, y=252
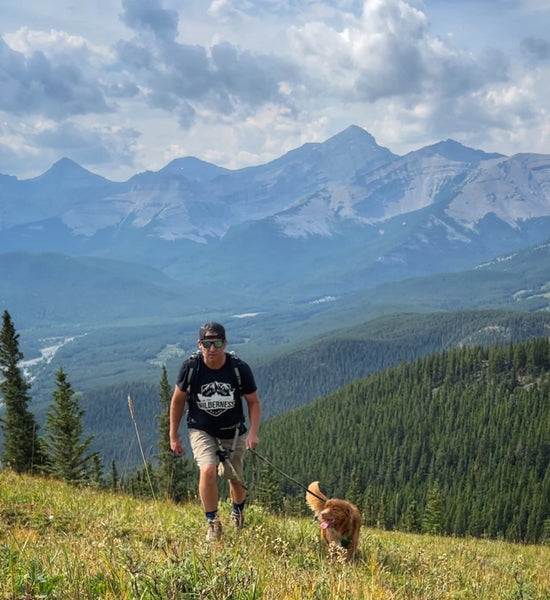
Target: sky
x=122, y=87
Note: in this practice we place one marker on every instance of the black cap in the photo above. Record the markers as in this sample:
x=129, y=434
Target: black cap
x=212, y=329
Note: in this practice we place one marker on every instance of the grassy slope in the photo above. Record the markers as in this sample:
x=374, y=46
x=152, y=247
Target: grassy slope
x=61, y=542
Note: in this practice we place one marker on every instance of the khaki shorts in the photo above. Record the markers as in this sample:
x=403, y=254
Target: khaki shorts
x=205, y=448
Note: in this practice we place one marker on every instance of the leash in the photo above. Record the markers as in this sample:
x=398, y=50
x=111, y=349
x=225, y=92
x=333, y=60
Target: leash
x=268, y=462
x=223, y=455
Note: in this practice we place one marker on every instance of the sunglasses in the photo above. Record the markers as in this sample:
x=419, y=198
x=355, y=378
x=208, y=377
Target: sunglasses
x=217, y=343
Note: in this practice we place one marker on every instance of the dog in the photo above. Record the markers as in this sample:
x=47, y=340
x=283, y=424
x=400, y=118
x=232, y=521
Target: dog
x=340, y=521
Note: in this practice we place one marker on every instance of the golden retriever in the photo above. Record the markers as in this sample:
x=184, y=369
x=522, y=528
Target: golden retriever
x=340, y=521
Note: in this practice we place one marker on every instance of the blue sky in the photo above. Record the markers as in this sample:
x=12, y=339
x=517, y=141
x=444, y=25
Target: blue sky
x=127, y=86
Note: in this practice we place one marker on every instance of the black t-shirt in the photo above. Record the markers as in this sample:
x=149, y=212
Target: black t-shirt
x=214, y=400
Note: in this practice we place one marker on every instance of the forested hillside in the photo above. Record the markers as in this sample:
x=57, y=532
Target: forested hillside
x=319, y=367
x=455, y=443
x=323, y=365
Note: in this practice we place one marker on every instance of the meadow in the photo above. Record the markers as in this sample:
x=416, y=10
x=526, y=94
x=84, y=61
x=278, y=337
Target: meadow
x=62, y=542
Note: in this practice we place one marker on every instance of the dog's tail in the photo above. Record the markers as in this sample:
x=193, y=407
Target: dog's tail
x=315, y=498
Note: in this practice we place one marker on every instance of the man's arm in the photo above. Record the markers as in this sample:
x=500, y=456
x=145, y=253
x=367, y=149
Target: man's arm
x=177, y=407
x=254, y=417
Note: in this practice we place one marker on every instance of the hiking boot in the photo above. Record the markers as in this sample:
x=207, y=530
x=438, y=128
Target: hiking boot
x=214, y=531
x=237, y=519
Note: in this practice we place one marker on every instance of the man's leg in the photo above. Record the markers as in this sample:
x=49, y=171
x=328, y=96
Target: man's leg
x=208, y=488
x=237, y=492
x=238, y=497
x=204, y=451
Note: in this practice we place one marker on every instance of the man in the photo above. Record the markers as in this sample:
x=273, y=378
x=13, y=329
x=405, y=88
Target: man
x=213, y=384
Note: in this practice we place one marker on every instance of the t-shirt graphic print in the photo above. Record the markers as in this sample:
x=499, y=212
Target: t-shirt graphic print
x=215, y=398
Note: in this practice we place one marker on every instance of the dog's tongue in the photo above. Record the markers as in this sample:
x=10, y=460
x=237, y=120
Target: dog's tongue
x=325, y=524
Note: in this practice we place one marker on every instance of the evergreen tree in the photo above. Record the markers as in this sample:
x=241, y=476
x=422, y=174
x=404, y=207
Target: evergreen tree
x=165, y=456
x=97, y=470
x=433, y=514
x=115, y=484
x=268, y=493
x=546, y=531
x=68, y=456
x=411, y=519
x=173, y=473
x=354, y=494
x=22, y=450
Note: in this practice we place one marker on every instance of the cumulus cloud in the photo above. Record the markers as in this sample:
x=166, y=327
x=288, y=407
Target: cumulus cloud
x=240, y=81
x=193, y=79
x=149, y=16
x=89, y=145
x=34, y=84
x=92, y=145
x=536, y=49
x=389, y=51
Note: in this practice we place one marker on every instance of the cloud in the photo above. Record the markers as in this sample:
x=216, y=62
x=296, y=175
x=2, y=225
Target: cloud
x=34, y=84
x=224, y=10
x=536, y=49
x=91, y=145
x=193, y=80
x=148, y=16
x=240, y=82
x=388, y=52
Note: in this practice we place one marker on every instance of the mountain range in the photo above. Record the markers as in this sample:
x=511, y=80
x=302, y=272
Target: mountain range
x=327, y=235
x=325, y=219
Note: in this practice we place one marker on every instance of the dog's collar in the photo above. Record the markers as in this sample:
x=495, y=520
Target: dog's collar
x=346, y=541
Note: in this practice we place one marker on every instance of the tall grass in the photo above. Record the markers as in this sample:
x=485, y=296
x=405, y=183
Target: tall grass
x=61, y=542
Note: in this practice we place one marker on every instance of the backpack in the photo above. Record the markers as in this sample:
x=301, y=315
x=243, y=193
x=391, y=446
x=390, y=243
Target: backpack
x=191, y=377
x=194, y=368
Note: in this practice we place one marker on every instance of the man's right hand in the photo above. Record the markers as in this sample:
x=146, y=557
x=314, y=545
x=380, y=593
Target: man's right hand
x=177, y=447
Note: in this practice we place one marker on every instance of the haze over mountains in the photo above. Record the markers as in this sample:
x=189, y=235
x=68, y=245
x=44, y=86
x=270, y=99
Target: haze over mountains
x=110, y=280
x=323, y=224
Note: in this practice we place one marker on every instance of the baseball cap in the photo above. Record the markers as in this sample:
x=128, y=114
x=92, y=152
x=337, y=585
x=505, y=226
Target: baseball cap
x=212, y=329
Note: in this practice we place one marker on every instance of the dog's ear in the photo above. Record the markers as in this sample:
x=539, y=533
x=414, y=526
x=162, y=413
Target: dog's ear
x=350, y=511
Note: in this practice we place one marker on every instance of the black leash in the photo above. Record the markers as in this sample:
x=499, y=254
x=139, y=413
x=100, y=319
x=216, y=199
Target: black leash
x=223, y=455
x=285, y=475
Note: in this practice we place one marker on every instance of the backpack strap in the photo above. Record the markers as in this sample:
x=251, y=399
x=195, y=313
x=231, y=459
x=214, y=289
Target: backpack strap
x=194, y=368
x=235, y=362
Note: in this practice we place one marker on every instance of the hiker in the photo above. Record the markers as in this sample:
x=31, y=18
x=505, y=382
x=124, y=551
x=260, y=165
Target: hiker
x=212, y=383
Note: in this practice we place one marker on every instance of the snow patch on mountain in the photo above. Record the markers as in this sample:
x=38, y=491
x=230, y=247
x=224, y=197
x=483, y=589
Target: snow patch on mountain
x=312, y=218
x=444, y=193
x=451, y=233
x=514, y=190
x=406, y=185
x=86, y=218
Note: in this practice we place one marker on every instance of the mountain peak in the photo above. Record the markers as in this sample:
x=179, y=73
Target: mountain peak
x=455, y=151
x=342, y=156
x=68, y=171
x=194, y=169
x=353, y=132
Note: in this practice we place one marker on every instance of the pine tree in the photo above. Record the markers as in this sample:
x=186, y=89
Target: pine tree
x=173, y=473
x=165, y=456
x=97, y=470
x=22, y=450
x=68, y=456
x=354, y=494
x=411, y=519
x=268, y=492
x=432, y=522
x=114, y=483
